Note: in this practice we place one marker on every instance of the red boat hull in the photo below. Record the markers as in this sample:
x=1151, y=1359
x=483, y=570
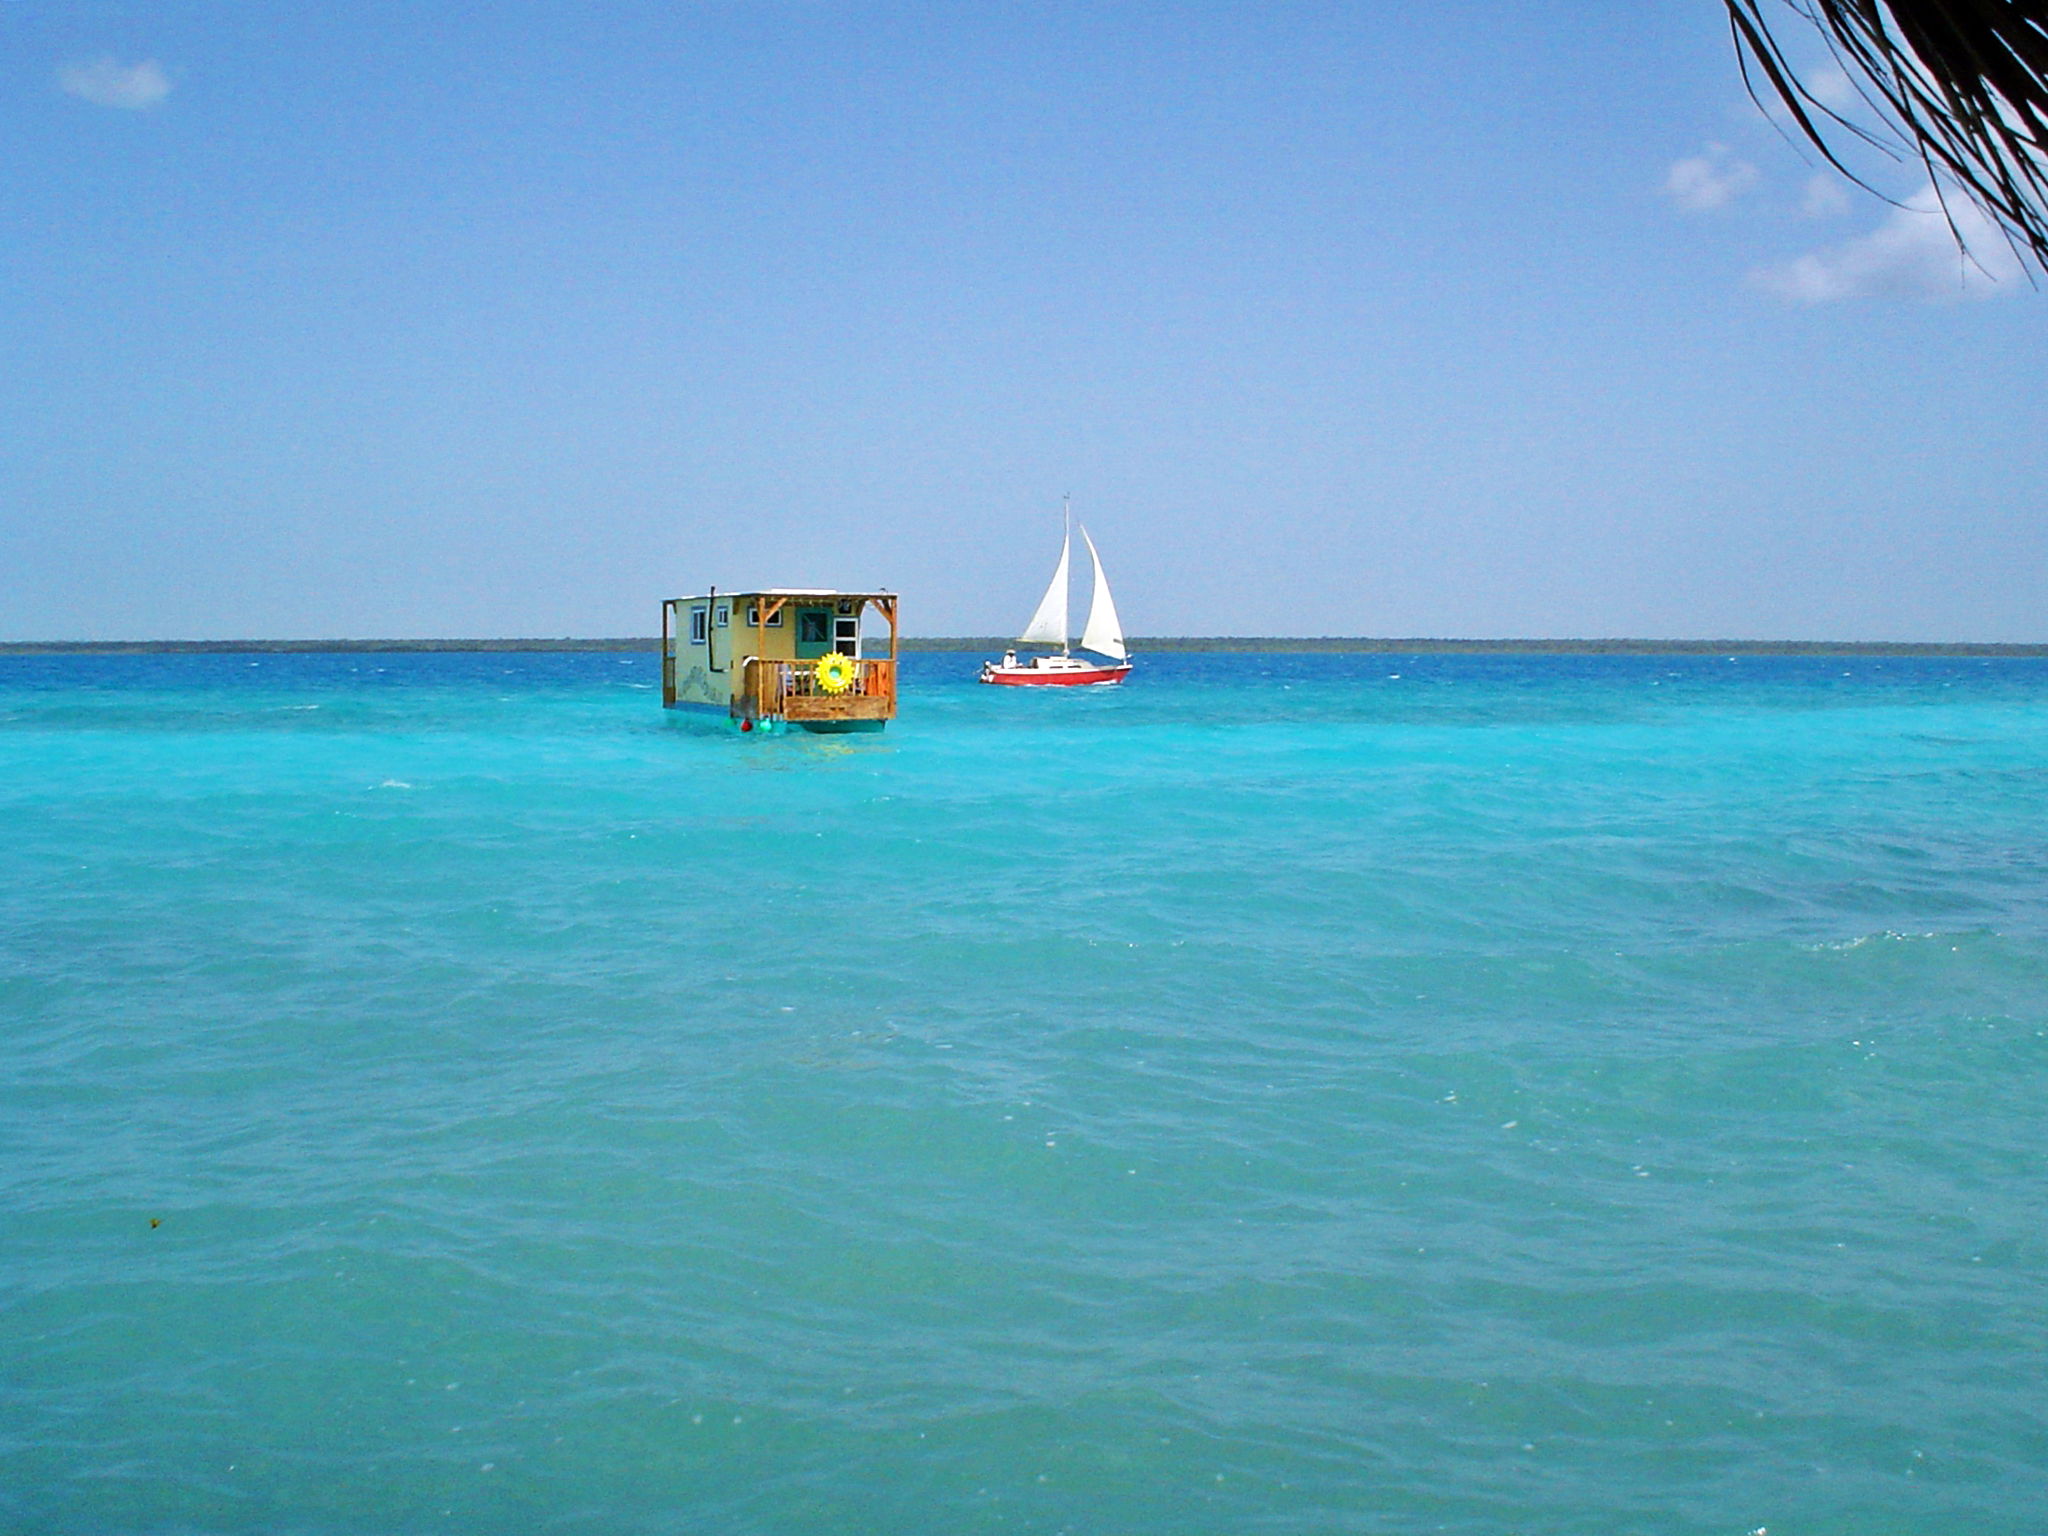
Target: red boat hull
x=1064, y=677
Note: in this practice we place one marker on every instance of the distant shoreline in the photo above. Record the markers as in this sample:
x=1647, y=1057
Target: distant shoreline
x=1247, y=644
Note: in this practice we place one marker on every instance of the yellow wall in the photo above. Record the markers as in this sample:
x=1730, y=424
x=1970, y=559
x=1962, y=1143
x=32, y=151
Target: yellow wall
x=696, y=681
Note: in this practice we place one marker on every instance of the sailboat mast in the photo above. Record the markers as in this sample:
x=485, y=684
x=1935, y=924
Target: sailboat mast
x=1066, y=542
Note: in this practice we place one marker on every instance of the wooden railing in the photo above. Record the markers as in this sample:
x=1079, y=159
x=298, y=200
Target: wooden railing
x=790, y=690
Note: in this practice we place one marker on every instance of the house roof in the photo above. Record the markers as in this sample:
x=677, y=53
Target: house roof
x=798, y=592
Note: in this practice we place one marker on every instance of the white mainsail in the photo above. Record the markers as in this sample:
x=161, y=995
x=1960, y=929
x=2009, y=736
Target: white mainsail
x=1048, y=626
x=1103, y=634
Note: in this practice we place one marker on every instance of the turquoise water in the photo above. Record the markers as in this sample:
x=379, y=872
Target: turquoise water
x=1290, y=1094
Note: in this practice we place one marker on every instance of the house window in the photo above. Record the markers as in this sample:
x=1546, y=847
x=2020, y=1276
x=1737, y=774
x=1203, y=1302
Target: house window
x=754, y=617
x=697, y=626
x=723, y=615
x=814, y=626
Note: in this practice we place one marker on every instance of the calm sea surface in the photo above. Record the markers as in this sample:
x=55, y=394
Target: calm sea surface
x=1286, y=1095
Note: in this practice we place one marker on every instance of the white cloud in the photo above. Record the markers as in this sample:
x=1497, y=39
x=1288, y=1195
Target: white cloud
x=1824, y=197
x=1710, y=180
x=1911, y=255
x=105, y=83
x=1831, y=86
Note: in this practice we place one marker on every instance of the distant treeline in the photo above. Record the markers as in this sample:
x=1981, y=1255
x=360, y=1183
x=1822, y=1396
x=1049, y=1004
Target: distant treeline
x=1317, y=644
x=1423, y=646
x=274, y=647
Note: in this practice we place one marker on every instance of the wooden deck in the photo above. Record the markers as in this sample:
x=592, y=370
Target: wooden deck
x=789, y=690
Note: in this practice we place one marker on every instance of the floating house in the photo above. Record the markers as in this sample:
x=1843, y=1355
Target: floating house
x=787, y=656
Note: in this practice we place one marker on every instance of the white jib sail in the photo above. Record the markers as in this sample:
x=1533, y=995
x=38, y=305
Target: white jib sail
x=1048, y=626
x=1103, y=635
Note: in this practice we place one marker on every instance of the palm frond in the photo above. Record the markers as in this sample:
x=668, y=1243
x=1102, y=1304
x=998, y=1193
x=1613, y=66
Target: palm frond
x=1963, y=83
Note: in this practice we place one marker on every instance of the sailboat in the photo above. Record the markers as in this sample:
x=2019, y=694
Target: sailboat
x=1102, y=635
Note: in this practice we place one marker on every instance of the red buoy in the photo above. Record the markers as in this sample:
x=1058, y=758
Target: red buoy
x=746, y=725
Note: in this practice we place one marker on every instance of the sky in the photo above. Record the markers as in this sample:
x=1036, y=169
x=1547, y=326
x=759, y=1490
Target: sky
x=1472, y=319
